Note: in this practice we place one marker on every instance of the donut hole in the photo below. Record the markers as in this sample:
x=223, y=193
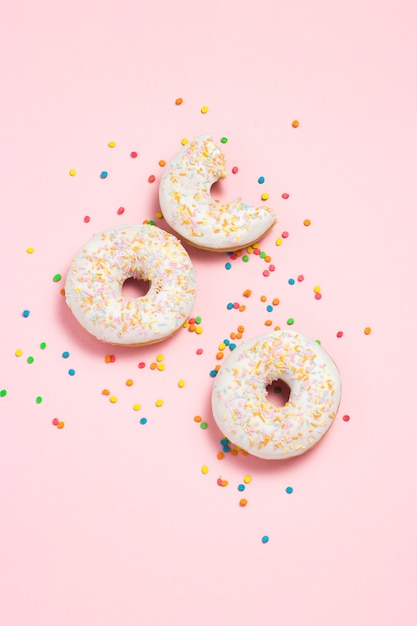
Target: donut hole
x=278, y=392
x=135, y=287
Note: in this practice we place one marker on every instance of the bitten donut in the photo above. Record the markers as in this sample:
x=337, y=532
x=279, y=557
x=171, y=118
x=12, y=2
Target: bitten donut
x=94, y=285
x=186, y=203
x=243, y=412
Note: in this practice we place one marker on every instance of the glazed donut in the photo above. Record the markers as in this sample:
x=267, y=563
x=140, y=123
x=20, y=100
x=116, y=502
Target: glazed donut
x=94, y=285
x=250, y=421
x=186, y=203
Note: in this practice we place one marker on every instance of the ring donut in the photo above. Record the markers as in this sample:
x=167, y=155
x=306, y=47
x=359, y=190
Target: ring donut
x=186, y=203
x=94, y=285
x=243, y=412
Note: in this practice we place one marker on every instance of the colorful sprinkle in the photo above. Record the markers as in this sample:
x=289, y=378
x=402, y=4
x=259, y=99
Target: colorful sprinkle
x=295, y=124
x=57, y=278
x=261, y=180
x=367, y=330
x=203, y=425
x=143, y=420
x=346, y=418
x=3, y=393
x=265, y=539
x=339, y=334
x=151, y=179
x=65, y=355
x=30, y=359
x=289, y=490
x=307, y=222
x=290, y=321
x=60, y=425
x=235, y=170
x=204, y=469
x=72, y=172
x=243, y=502
x=204, y=109
x=224, y=139
x=30, y=250
x=133, y=155
x=18, y=352
x=120, y=210
x=112, y=144
x=159, y=403
x=26, y=313
x=285, y=196
x=104, y=174
x=55, y=421
x=136, y=407
x=71, y=372
x=38, y=399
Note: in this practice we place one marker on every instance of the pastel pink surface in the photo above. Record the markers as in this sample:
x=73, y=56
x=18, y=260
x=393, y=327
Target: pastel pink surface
x=107, y=521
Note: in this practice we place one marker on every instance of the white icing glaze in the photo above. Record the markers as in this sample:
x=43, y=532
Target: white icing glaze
x=94, y=285
x=243, y=412
x=186, y=203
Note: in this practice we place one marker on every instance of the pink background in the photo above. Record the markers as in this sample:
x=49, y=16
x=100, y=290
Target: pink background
x=110, y=522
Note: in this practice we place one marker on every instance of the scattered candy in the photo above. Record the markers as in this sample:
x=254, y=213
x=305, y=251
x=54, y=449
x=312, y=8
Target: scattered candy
x=104, y=174
x=346, y=418
x=289, y=490
x=265, y=539
x=367, y=330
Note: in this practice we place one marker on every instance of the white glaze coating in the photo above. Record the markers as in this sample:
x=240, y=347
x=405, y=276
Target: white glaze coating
x=250, y=421
x=94, y=285
x=186, y=203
